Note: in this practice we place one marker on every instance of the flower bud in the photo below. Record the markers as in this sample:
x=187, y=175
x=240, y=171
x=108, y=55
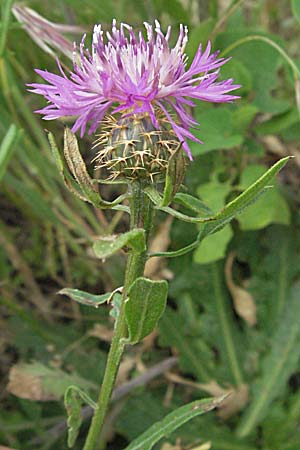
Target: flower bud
x=132, y=148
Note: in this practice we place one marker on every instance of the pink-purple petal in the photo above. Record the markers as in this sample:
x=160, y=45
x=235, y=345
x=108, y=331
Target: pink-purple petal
x=127, y=74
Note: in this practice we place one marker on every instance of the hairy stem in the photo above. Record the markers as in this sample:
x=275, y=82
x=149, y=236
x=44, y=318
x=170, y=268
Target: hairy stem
x=141, y=217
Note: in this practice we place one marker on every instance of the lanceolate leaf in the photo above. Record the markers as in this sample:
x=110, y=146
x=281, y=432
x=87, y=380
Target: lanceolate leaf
x=78, y=168
x=173, y=421
x=245, y=199
x=108, y=245
x=80, y=183
x=85, y=298
x=145, y=305
x=278, y=365
x=193, y=203
x=235, y=207
x=74, y=397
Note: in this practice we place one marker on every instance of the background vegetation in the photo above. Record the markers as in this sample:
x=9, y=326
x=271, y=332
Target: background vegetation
x=233, y=320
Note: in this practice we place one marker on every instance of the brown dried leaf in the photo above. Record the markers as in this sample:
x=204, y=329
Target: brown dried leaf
x=101, y=332
x=274, y=145
x=23, y=384
x=243, y=301
x=235, y=402
x=75, y=161
x=126, y=366
x=35, y=381
x=6, y=448
x=167, y=446
x=46, y=34
x=205, y=446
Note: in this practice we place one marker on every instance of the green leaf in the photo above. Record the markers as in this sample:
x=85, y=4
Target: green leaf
x=85, y=298
x=193, y=203
x=242, y=117
x=216, y=131
x=173, y=421
x=243, y=201
x=258, y=57
x=52, y=381
x=296, y=9
x=145, y=304
x=108, y=245
x=278, y=123
x=232, y=209
x=278, y=365
x=214, y=193
x=174, y=176
x=116, y=305
x=8, y=146
x=74, y=397
x=270, y=208
x=238, y=71
x=213, y=247
x=80, y=183
x=172, y=333
x=5, y=20
x=199, y=33
x=78, y=168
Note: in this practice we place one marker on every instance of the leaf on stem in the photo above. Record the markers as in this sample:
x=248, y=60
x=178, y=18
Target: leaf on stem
x=78, y=168
x=215, y=223
x=108, y=245
x=174, y=176
x=74, y=397
x=145, y=304
x=193, y=203
x=173, y=421
x=85, y=298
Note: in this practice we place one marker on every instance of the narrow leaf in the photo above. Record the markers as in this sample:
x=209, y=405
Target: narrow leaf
x=85, y=189
x=86, y=298
x=62, y=170
x=145, y=304
x=108, y=245
x=74, y=397
x=78, y=168
x=173, y=421
x=247, y=197
x=278, y=365
x=7, y=148
x=193, y=203
x=235, y=207
x=5, y=21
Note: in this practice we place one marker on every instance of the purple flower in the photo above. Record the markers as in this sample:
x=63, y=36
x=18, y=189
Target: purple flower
x=128, y=74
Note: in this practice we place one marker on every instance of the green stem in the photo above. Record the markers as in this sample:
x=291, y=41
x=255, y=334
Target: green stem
x=141, y=217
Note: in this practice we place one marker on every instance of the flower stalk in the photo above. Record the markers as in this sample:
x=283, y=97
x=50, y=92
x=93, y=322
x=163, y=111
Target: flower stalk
x=141, y=213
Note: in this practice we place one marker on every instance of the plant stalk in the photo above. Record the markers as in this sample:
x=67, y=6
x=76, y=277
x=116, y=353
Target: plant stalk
x=141, y=213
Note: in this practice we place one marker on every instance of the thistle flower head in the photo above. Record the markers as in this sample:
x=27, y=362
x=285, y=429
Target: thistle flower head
x=129, y=75
x=132, y=148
